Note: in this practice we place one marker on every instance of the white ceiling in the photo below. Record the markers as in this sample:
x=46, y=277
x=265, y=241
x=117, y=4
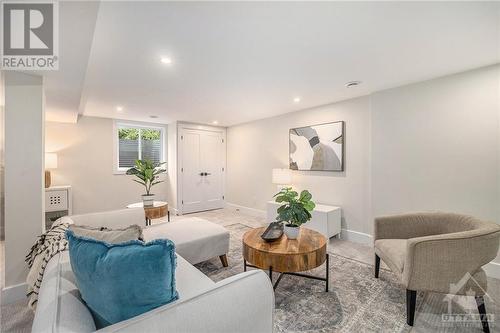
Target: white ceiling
x=63, y=88
x=236, y=62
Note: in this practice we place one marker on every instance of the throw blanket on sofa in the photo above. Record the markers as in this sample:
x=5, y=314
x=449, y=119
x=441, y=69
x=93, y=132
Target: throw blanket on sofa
x=47, y=246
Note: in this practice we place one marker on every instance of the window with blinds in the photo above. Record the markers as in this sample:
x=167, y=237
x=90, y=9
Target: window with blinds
x=138, y=143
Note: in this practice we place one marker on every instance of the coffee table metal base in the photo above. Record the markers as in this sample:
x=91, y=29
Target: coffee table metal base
x=275, y=284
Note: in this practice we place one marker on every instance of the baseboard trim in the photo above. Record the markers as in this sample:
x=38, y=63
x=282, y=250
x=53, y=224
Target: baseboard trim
x=350, y=235
x=356, y=236
x=14, y=293
x=174, y=211
x=246, y=210
x=492, y=269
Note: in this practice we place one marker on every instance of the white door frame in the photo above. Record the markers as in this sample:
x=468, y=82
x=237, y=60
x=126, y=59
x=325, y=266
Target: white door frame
x=180, y=132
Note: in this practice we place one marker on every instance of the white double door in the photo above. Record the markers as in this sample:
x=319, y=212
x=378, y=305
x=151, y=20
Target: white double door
x=202, y=169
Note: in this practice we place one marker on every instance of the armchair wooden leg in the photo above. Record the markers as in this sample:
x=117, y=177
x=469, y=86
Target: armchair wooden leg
x=482, y=312
x=411, y=300
x=377, y=266
x=223, y=260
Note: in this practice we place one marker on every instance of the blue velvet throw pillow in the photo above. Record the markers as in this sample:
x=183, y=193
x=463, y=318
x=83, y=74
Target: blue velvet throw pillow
x=121, y=281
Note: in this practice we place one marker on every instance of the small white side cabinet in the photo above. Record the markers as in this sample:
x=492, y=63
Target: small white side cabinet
x=58, y=202
x=325, y=219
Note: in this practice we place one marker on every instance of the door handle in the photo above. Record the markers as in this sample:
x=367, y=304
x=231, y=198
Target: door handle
x=202, y=174
x=207, y=174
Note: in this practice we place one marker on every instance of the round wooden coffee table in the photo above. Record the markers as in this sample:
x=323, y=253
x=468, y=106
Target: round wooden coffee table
x=157, y=210
x=284, y=255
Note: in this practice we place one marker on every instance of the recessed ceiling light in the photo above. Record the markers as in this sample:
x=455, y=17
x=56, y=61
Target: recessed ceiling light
x=153, y=116
x=119, y=108
x=352, y=84
x=296, y=99
x=166, y=60
x=215, y=122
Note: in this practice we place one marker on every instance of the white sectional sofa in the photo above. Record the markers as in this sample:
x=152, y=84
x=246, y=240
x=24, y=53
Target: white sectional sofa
x=241, y=303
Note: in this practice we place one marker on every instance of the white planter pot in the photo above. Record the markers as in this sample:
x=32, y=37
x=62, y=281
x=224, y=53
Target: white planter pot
x=291, y=232
x=147, y=200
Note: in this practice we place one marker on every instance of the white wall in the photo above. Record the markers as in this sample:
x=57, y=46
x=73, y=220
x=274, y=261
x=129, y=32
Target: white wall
x=85, y=161
x=255, y=148
x=2, y=183
x=435, y=146
x=24, y=200
x=427, y=146
x=2, y=162
x=498, y=151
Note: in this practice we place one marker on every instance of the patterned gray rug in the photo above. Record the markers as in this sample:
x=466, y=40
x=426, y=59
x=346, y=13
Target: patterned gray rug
x=16, y=317
x=356, y=302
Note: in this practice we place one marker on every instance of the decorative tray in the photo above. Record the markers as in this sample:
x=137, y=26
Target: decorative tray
x=273, y=232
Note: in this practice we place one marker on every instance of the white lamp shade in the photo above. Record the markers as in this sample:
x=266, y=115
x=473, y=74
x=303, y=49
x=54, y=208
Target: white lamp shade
x=282, y=176
x=50, y=161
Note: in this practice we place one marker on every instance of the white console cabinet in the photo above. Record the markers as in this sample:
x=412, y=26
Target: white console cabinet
x=325, y=219
x=58, y=202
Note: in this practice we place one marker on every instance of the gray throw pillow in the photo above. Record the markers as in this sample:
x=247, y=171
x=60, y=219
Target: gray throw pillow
x=112, y=236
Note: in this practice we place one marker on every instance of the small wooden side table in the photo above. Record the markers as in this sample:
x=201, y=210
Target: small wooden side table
x=286, y=256
x=157, y=210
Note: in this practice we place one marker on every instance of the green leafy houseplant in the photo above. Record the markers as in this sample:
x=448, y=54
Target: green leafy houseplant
x=295, y=211
x=148, y=174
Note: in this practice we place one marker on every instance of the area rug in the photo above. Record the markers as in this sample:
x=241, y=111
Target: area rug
x=356, y=302
x=16, y=317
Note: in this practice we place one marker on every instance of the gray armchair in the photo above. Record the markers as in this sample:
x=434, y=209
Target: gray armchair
x=437, y=252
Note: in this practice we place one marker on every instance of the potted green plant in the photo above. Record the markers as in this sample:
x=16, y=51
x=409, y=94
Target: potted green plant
x=295, y=211
x=148, y=173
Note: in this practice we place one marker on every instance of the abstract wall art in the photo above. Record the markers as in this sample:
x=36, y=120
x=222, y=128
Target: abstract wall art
x=318, y=147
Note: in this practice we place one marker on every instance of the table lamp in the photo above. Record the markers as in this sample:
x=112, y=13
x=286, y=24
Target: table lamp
x=50, y=163
x=282, y=178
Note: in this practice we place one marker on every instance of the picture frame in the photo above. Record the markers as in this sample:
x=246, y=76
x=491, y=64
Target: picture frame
x=318, y=147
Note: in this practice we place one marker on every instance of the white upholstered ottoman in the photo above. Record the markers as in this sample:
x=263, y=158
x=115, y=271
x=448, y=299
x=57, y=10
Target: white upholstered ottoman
x=195, y=239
